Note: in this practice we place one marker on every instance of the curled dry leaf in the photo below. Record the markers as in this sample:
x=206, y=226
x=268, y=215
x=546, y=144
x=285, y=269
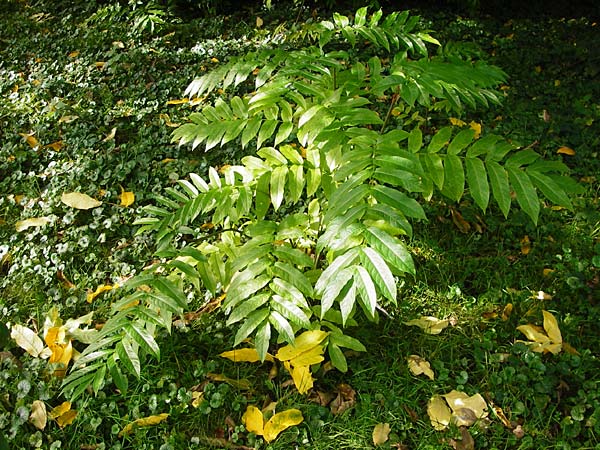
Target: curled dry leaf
x=418, y=366
x=381, y=433
x=456, y=407
x=78, y=200
x=29, y=341
x=430, y=325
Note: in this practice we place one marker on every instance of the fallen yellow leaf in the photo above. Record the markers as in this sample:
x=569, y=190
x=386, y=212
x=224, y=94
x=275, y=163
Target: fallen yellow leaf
x=430, y=325
x=38, y=415
x=381, y=433
x=56, y=146
x=565, y=151
x=78, y=200
x=127, y=198
x=253, y=420
x=30, y=139
x=67, y=418
x=22, y=225
x=244, y=355
x=418, y=366
x=178, y=101
x=301, y=376
x=110, y=136
x=74, y=54
x=306, y=341
x=466, y=409
x=99, y=290
x=280, y=422
x=59, y=410
x=143, y=422
x=439, y=413
x=547, y=340
x=29, y=341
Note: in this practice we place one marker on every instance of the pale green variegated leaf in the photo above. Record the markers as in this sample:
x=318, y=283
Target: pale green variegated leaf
x=478, y=183
x=526, y=194
x=243, y=309
x=277, y=188
x=338, y=264
x=392, y=250
x=348, y=300
x=500, y=187
x=366, y=290
x=142, y=337
x=128, y=356
x=283, y=327
x=262, y=339
x=334, y=288
x=380, y=272
x=290, y=311
x=253, y=320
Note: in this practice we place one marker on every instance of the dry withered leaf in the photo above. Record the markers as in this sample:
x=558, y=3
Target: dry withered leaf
x=345, y=399
x=466, y=442
x=418, y=366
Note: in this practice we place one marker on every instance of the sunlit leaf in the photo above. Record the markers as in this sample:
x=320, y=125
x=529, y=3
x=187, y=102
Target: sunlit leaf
x=253, y=420
x=99, y=290
x=565, y=151
x=301, y=377
x=457, y=122
x=430, y=325
x=22, y=225
x=30, y=139
x=418, y=366
x=306, y=341
x=110, y=136
x=551, y=327
x=476, y=127
x=38, y=415
x=78, y=200
x=127, y=198
x=280, y=422
x=466, y=409
x=525, y=245
x=143, y=422
x=244, y=355
x=29, y=341
x=381, y=433
x=439, y=413
x=178, y=101
x=56, y=146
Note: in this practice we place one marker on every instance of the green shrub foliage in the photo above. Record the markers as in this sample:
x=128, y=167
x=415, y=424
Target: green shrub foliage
x=310, y=230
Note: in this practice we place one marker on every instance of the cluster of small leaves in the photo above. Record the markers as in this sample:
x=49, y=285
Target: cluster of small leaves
x=309, y=233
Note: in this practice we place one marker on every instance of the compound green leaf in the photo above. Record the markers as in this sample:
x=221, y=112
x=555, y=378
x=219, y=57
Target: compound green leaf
x=392, y=250
x=454, y=178
x=380, y=272
x=550, y=189
x=500, y=187
x=254, y=319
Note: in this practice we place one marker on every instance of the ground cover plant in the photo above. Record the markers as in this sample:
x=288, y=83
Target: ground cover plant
x=480, y=275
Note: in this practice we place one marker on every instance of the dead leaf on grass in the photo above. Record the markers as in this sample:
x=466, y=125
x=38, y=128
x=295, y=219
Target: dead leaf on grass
x=418, y=366
x=430, y=325
x=381, y=433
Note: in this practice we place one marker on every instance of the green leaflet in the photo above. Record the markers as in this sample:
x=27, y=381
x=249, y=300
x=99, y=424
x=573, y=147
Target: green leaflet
x=454, y=178
x=380, y=272
x=526, y=194
x=415, y=140
x=254, y=319
x=478, y=183
x=282, y=325
x=391, y=249
x=500, y=187
x=551, y=189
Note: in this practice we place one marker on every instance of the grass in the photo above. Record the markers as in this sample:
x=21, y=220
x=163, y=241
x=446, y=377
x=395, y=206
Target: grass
x=56, y=95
